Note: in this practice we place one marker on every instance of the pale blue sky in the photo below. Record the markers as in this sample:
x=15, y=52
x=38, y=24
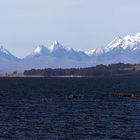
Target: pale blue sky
x=81, y=24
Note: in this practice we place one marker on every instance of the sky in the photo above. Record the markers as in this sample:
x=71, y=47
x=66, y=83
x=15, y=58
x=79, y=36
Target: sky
x=80, y=24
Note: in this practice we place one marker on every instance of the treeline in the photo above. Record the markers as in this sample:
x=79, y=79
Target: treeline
x=99, y=70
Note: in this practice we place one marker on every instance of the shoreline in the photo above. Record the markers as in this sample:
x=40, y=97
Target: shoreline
x=66, y=76
x=42, y=76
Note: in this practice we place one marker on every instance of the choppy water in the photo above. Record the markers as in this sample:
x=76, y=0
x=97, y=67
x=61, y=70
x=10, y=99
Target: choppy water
x=40, y=109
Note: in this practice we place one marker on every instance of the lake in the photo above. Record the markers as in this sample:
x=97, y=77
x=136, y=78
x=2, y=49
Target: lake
x=41, y=109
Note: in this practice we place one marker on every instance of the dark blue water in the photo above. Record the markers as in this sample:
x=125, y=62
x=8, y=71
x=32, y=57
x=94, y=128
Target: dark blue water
x=40, y=109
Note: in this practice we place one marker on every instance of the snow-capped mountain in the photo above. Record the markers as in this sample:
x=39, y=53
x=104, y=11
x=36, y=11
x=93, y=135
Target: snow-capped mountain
x=121, y=49
x=39, y=51
x=58, y=51
x=121, y=43
x=55, y=56
x=8, y=62
x=5, y=54
x=95, y=52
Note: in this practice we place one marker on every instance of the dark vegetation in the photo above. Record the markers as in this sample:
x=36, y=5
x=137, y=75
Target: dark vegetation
x=99, y=70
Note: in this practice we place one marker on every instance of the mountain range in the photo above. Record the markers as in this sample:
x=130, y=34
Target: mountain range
x=121, y=49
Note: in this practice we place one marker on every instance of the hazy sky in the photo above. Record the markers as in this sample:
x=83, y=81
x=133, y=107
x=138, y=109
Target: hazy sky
x=81, y=24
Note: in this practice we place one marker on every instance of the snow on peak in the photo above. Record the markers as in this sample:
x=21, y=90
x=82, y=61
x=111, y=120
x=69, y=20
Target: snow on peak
x=127, y=42
x=56, y=45
x=70, y=49
x=95, y=52
x=4, y=53
x=56, y=42
x=39, y=49
x=3, y=50
x=115, y=43
x=138, y=35
x=89, y=53
x=99, y=51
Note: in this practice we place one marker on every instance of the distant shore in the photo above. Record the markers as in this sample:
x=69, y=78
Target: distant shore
x=22, y=75
x=19, y=75
x=112, y=70
x=66, y=76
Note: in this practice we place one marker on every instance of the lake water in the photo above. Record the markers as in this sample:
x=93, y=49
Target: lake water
x=41, y=109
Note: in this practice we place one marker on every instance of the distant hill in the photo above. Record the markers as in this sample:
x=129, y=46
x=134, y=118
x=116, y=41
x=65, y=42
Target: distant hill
x=118, y=69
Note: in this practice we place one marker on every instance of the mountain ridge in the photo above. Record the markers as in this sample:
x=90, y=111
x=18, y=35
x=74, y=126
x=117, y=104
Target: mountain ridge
x=121, y=49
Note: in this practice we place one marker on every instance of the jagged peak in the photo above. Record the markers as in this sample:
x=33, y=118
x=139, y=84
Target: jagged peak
x=115, y=42
x=55, y=46
x=90, y=52
x=70, y=49
x=39, y=49
x=127, y=42
x=138, y=34
x=2, y=49
x=99, y=50
x=56, y=42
